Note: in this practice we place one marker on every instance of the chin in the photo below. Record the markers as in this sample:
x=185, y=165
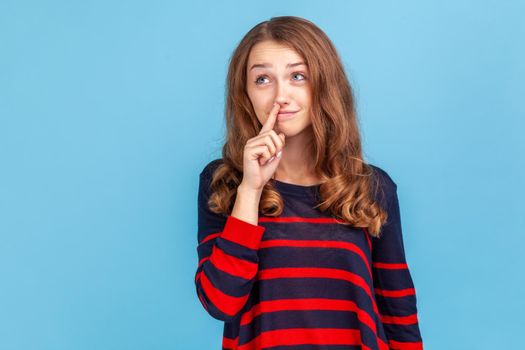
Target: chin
x=290, y=130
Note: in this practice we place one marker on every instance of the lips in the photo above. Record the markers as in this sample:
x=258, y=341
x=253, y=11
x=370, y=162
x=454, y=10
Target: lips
x=285, y=115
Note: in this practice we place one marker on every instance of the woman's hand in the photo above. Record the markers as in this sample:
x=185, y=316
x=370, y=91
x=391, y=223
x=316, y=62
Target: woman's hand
x=262, y=154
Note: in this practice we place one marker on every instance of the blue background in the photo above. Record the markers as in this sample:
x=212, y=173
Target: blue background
x=109, y=111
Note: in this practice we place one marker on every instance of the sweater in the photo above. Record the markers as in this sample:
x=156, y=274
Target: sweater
x=303, y=280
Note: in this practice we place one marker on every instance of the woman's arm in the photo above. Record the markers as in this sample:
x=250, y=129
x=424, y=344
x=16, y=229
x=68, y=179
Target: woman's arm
x=227, y=250
x=394, y=288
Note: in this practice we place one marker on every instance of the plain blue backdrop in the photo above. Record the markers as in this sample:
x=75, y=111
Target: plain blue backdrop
x=109, y=110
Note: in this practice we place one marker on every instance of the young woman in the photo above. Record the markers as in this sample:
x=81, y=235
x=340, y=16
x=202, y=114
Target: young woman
x=299, y=239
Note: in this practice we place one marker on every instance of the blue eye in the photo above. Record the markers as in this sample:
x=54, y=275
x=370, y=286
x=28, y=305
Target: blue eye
x=294, y=74
x=304, y=77
x=257, y=79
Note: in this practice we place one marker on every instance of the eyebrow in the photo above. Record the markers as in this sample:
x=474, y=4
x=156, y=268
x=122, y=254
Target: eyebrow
x=265, y=65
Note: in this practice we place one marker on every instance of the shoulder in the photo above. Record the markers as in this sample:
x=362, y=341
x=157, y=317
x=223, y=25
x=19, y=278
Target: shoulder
x=383, y=176
x=210, y=168
x=383, y=186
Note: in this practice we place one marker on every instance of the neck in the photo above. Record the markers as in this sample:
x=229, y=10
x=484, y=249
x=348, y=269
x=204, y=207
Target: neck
x=297, y=163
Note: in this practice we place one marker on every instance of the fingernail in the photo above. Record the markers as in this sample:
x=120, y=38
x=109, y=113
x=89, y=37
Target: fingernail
x=279, y=153
x=269, y=160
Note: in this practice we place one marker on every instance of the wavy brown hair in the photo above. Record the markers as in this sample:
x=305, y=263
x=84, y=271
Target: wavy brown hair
x=348, y=188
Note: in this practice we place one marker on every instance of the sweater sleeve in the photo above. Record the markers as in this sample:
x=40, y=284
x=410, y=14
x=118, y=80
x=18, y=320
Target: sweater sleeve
x=393, y=285
x=228, y=261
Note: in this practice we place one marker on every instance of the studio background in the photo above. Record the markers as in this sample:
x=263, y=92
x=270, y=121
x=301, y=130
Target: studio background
x=109, y=111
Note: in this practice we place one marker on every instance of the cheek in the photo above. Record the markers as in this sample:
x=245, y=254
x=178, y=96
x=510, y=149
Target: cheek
x=257, y=105
x=263, y=108
x=307, y=97
x=259, y=102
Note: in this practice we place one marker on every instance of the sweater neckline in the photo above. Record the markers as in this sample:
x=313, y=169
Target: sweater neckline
x=302, y=190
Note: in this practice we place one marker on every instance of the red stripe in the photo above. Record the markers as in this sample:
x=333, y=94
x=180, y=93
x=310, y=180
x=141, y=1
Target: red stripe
x=243, y=232
x=229, y=343
x=290, y=219
x=317, y=244
x=399, y=320
x=318, y=272
x=298, y=336
x=397, y=345
x=197, y=275
x=395, y=293
x=322, y=220
x=311, y=304
x=307, y=304
x=227, y=304
x=233, y=265
x=390, y=266
x=203, y=302
x=202, y=261
x=210, y=236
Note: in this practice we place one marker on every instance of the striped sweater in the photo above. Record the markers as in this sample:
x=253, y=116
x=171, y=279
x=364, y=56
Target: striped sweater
x=304, y=281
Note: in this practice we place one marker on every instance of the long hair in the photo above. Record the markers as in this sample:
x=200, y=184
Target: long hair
x=348, y=185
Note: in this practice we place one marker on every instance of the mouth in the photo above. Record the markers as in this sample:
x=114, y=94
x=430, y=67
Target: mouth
x=286, y=115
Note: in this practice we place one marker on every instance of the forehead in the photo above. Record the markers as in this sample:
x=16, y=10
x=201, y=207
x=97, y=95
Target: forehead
x=273, y=54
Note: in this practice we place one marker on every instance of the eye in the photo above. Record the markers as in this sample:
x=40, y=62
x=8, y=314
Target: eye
x=294, y=74
x=257, y=79
x=301, y=74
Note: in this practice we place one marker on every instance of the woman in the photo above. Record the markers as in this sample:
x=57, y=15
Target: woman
x=300, y=241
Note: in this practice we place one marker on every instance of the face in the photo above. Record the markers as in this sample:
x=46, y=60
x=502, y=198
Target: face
x=276, y=73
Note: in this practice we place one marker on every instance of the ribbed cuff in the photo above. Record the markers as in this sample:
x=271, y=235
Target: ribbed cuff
x=242, y=232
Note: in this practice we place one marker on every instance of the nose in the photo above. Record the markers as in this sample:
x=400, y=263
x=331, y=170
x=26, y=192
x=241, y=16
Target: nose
x=282, y=93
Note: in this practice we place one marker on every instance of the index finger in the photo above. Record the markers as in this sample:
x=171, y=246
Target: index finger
x=270, y=122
